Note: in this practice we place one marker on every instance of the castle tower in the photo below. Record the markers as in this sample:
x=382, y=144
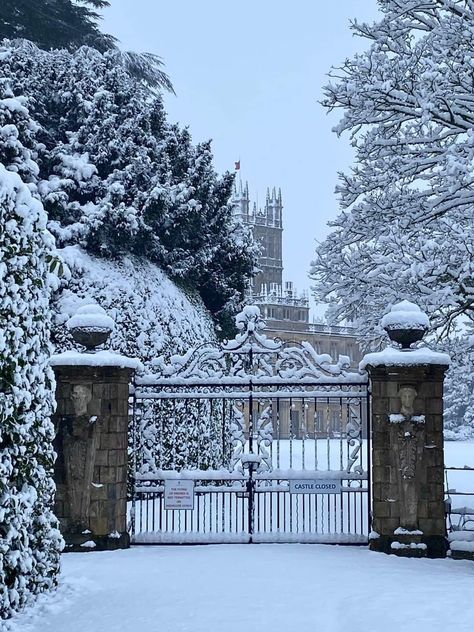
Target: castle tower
x=285, y=311
x=279, y=302
x=268, y=231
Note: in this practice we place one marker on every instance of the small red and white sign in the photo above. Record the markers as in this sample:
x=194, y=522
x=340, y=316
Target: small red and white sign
x=179, y=494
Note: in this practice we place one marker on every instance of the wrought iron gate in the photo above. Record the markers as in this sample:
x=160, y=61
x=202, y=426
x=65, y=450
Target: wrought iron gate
x=252, y=440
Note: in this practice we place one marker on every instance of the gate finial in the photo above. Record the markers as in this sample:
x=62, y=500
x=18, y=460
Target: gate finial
x=250, y=319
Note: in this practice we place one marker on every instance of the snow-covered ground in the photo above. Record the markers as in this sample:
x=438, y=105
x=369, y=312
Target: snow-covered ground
x=236, y=588
x=277, y=588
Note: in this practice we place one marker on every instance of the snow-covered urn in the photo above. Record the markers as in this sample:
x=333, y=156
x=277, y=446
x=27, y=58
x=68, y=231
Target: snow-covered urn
x=405, y=324
x=90, y=326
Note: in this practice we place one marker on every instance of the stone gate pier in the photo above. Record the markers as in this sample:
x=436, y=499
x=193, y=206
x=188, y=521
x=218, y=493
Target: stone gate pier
x=408, y=514
x=91, y=420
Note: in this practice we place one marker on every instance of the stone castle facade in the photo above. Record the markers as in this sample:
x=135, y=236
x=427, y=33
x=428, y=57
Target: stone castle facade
x=285, y=311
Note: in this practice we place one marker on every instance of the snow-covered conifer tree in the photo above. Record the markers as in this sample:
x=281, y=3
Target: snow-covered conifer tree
x=54, y=24
x=406, y=227
x=117, y=178
x=71, y=24
x=29, y=538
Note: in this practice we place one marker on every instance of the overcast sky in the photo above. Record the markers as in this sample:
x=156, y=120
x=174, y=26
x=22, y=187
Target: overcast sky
x=248, y=74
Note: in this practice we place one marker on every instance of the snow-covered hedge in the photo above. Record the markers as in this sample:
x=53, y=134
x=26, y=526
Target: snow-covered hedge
x=29, y=539
x=153, y=318
x=152, y=315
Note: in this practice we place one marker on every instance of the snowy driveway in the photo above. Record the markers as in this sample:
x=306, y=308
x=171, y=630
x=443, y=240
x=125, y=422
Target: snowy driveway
x=242, y=588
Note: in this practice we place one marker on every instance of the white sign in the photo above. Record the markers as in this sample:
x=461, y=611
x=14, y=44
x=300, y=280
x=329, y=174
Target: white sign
x=331, y=486
x=179, y=494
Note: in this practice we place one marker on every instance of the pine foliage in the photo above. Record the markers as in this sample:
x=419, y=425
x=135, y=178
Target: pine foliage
x=55, y=23
x=71, y=24
x=116, y=178
x=29, y=538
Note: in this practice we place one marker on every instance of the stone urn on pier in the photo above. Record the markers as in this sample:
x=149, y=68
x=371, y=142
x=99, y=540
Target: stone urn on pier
x=91, y=420
x=406, y=380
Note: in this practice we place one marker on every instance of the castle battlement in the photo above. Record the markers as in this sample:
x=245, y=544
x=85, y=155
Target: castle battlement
x=270, y=215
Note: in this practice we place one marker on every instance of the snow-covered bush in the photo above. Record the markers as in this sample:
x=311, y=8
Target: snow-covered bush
x=29, y=538
x=70, y=24
x=153, y=318
x=128, y=195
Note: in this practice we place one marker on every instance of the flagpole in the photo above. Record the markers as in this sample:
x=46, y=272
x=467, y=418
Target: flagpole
x=237, y=168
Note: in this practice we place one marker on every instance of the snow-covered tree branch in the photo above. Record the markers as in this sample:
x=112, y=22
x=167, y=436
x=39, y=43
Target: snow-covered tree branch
x=406, y=226
x=408, y=201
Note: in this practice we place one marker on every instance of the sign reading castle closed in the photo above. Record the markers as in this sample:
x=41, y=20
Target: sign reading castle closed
x=319, y=486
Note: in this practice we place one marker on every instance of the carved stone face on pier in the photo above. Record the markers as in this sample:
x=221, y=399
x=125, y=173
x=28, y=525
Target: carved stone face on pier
x=407, y=396
x=81, y=396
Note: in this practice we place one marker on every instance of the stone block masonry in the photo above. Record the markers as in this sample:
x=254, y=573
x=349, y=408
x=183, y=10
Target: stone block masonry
x=408, y=458
x=91, y=423
x=406, y=379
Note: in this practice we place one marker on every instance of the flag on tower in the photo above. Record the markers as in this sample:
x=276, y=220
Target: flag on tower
x=237, y=165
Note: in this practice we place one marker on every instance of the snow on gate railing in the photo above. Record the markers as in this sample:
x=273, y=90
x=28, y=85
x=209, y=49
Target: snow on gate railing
x=295, y=414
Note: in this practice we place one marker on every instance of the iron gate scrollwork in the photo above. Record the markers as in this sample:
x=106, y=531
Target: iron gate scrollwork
x=244, y=420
